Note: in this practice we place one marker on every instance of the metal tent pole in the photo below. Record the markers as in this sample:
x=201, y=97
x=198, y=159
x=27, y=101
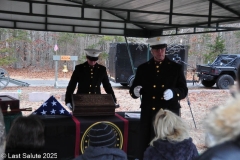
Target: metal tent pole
x=130, y=56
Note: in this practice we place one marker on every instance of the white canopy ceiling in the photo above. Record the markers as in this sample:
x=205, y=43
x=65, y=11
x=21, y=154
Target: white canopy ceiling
x=131, y=18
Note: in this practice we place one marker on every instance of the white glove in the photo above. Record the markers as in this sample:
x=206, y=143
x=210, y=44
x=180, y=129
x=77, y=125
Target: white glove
x=69, y=106
x=136, y=91
x=168, y=94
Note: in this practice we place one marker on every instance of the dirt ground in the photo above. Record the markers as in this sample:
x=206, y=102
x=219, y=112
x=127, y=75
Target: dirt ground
x=200, y=100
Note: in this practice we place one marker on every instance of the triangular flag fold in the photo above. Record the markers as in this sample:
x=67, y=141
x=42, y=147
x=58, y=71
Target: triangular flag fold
x=51, y=107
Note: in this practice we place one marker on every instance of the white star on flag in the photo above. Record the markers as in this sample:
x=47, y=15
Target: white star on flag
x=53, y=111
x=44, y=104
x=43, y=112
x=61, y=111
x=54, y=103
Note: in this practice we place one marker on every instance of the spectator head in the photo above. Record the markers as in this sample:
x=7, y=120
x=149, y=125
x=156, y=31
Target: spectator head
x=168, y=126
x=223, y=123
x=26, y=133
x=102, y=135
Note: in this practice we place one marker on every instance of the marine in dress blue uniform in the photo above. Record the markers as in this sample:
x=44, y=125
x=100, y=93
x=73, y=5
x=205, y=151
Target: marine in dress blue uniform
x=89, y=76
x=161, y=84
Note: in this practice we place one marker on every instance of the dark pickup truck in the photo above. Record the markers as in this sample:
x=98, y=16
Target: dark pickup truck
x=223, y=71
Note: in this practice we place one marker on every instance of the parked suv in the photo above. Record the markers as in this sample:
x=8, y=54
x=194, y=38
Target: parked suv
x=223, y=71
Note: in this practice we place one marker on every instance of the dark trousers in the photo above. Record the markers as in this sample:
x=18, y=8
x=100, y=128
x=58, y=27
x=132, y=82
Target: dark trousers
x=146, y=128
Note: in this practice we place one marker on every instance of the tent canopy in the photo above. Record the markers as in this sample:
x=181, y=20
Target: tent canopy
x=130, y=18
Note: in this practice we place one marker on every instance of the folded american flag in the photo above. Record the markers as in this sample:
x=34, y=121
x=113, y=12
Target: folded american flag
x=51, y=107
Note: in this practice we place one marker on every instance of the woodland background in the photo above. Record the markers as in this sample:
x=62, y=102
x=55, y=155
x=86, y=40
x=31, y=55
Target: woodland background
x=35, y=49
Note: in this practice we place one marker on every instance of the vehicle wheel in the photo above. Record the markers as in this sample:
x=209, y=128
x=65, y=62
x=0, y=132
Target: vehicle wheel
x=225, y=81
x=208, y=83
x=130, y=80
x=124, y=84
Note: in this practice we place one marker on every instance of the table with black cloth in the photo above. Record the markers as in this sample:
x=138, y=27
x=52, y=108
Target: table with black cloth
x=64, y=133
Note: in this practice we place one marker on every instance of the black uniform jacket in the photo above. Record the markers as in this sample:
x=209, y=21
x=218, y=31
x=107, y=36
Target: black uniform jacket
x=89, y=80
x=155, y=78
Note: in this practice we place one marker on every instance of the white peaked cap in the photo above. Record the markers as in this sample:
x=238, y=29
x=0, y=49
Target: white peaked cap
x=93, y=52
x=157, y=40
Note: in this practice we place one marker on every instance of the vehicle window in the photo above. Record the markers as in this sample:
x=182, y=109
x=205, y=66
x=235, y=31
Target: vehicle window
x=224, y=60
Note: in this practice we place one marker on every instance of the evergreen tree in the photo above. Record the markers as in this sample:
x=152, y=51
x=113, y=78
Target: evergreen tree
x=215, y=49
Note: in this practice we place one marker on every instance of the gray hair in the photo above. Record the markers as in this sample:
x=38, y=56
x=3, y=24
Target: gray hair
x=168, y=126
x=224, y=121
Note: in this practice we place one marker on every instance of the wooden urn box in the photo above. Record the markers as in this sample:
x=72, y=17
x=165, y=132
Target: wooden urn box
x=93, y=105
x=8, y=101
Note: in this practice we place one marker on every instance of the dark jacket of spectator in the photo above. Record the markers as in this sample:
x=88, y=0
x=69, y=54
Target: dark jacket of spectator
x=165, y=150
x=229, y=150
x=102, y=153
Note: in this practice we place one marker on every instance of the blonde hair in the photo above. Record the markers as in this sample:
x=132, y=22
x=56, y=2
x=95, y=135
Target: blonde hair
x=168, y=126
x=224, y=121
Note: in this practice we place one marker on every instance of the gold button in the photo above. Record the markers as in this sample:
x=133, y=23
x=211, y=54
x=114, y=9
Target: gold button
x=178, y=95
x=95, y=86
x=90, y=85
x=98, y=67
x=91, y=77
x=153, y=97
x=154, y=86
x=89, y=92
x=162, y=86
x=95, y=92
x=160, y=62
x=157, y=66
x=91, y=73
x=153, y=108
x=91, y=69
x=161, y=97
x=157, y=70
